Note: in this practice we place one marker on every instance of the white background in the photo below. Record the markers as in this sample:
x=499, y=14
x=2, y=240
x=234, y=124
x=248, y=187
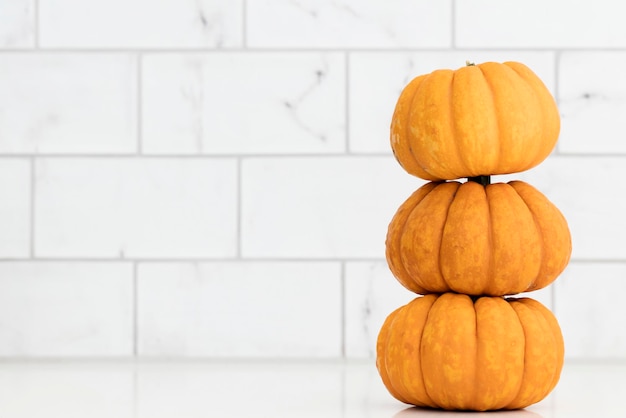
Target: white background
x=213, y=178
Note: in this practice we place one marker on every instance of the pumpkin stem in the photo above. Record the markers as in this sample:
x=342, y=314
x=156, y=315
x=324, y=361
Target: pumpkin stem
x=469, y=63
x=482, y=180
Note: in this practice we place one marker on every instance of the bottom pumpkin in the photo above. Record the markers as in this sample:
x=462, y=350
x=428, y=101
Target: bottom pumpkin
x=457, y=352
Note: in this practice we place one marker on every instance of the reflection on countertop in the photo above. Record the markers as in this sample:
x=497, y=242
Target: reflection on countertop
x=276, y=389
x=425, y=413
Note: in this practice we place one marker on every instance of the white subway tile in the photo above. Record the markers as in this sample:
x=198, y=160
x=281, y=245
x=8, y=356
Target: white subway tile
x=349, y=24
x=539, y=24
x=586, y=190
x=141, y=23
x=17, y=24
x=372, y=293
x=592, y=101
x=239, y=309
x=14, y=208
x=65, y=309
x=592, y=318
x=377, y=78
x=68, y=103
x=225, y=103
x=135, y=207
x=309, y=207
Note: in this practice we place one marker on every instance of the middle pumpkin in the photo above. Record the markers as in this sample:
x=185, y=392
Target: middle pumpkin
x=498, y=239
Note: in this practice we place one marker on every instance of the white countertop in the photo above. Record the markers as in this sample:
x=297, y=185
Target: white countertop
x=176, y=389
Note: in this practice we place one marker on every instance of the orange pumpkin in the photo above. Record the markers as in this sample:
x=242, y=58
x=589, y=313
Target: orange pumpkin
x=495, y=239
x=454, y=352
x=481, y=119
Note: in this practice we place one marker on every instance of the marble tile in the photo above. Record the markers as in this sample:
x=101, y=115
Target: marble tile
x=239, y=309
x=594, y=211
x=141, y=24
x=592, y=101
x=15, y=208
x=332, y=207
x=372, y=293
x=555, y=24
x=17, y=24
x=377, y=78
x=68, y=103
x=592, y=320
x=349, y=24
x=122, y=207
x=215, y=104
x=65, y=309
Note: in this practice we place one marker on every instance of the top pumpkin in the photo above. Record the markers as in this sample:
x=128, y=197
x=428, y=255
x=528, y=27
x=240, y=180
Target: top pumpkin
x=479, y=120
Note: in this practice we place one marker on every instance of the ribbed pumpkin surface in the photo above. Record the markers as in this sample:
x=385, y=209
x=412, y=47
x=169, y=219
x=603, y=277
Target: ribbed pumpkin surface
x=499, y=239
x=449, y=351
x=481, y=119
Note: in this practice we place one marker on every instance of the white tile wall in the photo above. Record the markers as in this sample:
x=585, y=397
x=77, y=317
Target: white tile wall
x=66, y=309
x=540, y=24
x=371, y=293
x=320, y=207
x=213, y=151
x=121, y=208
x=15, y=208
x=68, y=103
x=290, y=103
x=140, y=23
x=592, y=106
x=592, y=318
x=17, y=24
x=227, y=309
x=348, y=24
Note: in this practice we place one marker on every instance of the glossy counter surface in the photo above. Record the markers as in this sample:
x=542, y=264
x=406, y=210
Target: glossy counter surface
x=175, y=389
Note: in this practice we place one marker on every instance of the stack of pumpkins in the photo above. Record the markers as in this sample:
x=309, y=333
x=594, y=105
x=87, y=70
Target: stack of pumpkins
x=464, y=346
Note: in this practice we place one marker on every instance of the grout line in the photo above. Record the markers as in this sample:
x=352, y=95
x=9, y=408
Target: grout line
x=200, y=156
x=244, y=24
x=347, y=101
x=139, y=93
x=18, y=361
x=135, y=308
x=239, y=207
x=343, y=309
x=557, y=91
x=36, y=22
x=243, y=156
x=246, y=260
x=453, y=24
x=119, y=50
x=193, y=260
x=32, y=207
x=344, y=391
